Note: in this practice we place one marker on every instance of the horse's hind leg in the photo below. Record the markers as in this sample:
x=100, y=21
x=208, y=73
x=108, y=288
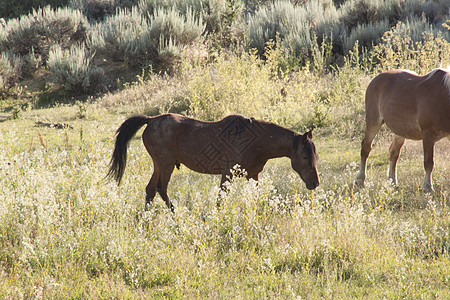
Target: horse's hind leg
x=394, y=153
x=151, y=188
x=163, y=183
x=428, y=154
x=373, y=125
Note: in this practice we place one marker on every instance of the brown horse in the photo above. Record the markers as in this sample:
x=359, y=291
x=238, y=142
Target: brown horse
x=413, y=107
x=212, y=148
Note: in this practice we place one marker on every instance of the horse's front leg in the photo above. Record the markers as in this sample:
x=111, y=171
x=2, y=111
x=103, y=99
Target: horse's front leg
x=366, y=147
x=254, y=177
x=224, y=182
x=428, y=155
x=394, y=153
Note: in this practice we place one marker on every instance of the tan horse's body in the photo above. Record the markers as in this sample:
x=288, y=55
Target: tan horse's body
x=213, y=148
x=413, y=107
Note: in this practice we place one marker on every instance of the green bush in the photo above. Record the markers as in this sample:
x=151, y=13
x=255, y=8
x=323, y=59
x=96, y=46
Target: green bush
x=399, y=50
x=41, y=29
x=211, y=11
x=73, y=68
x=366, y=35
x=8, y=10
x=181, y=29
x=10, y=70
x=354, y=13
x=366, y=21
x=435, y=12
x=294, y=25
x=125, y=36
x=222, y=19
x=417, y=26
x=138, y=38
x=98, y=10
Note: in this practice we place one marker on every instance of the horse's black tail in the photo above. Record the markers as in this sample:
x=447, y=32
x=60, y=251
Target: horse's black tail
x=125, y=133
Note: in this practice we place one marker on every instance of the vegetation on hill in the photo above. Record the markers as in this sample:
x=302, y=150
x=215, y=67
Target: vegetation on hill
x=84, y=47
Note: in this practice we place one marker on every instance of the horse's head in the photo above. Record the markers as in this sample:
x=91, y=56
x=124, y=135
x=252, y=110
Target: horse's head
x=304, y=159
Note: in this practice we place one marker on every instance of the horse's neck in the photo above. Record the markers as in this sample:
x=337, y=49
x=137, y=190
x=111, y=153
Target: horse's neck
x=278, y=142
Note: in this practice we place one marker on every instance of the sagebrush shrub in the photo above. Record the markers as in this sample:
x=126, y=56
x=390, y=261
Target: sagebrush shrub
x=9, y=9
x=294, y=25
x=355, y=13
x=41, y=29
x=73, y=68
x=211, y=11
x=94, y=9
x=139, y=38
x=399, y=50
x=98, y=10
x=181, y=29
x=125, y=36
x=10, y=70
x=367, y=35
x=435, y=12
x=417, y=26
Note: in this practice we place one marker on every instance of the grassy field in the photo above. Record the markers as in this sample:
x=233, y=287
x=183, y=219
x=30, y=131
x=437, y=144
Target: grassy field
x=67, y=232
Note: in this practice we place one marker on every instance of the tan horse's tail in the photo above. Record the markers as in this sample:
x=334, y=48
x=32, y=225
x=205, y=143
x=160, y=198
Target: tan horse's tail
x=125, y=133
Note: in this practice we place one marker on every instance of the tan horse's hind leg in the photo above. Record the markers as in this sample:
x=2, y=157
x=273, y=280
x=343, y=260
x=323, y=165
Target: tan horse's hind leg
x=394, y=153
x=372, y=129
x=428, y=155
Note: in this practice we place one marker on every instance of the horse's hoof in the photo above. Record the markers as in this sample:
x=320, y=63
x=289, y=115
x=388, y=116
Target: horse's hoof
x=148, y=206
x=428, y=189
x=359, y=183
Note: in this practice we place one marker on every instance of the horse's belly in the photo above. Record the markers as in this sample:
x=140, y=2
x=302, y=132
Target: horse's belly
x=403, y=121
x=408, y=129
x=209, y=165
x=202, y=167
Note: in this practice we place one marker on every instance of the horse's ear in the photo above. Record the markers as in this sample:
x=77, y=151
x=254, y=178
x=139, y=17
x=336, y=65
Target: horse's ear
x=308, y=135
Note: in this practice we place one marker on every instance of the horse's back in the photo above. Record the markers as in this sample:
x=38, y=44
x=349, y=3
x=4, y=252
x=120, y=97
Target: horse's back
x=391, y=85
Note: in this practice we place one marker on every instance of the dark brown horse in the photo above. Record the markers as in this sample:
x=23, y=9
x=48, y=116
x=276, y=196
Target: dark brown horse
x=212, y=148
x=413, y=107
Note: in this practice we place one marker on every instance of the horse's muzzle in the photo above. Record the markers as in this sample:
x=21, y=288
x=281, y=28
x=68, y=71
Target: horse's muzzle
x=312, y=185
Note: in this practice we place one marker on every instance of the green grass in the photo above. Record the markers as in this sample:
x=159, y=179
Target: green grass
x=67, y=232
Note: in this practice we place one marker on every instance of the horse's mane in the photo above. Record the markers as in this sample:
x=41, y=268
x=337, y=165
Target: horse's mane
x=446, y=79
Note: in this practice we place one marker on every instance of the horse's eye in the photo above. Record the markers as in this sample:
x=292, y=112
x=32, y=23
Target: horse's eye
x=305, y=157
